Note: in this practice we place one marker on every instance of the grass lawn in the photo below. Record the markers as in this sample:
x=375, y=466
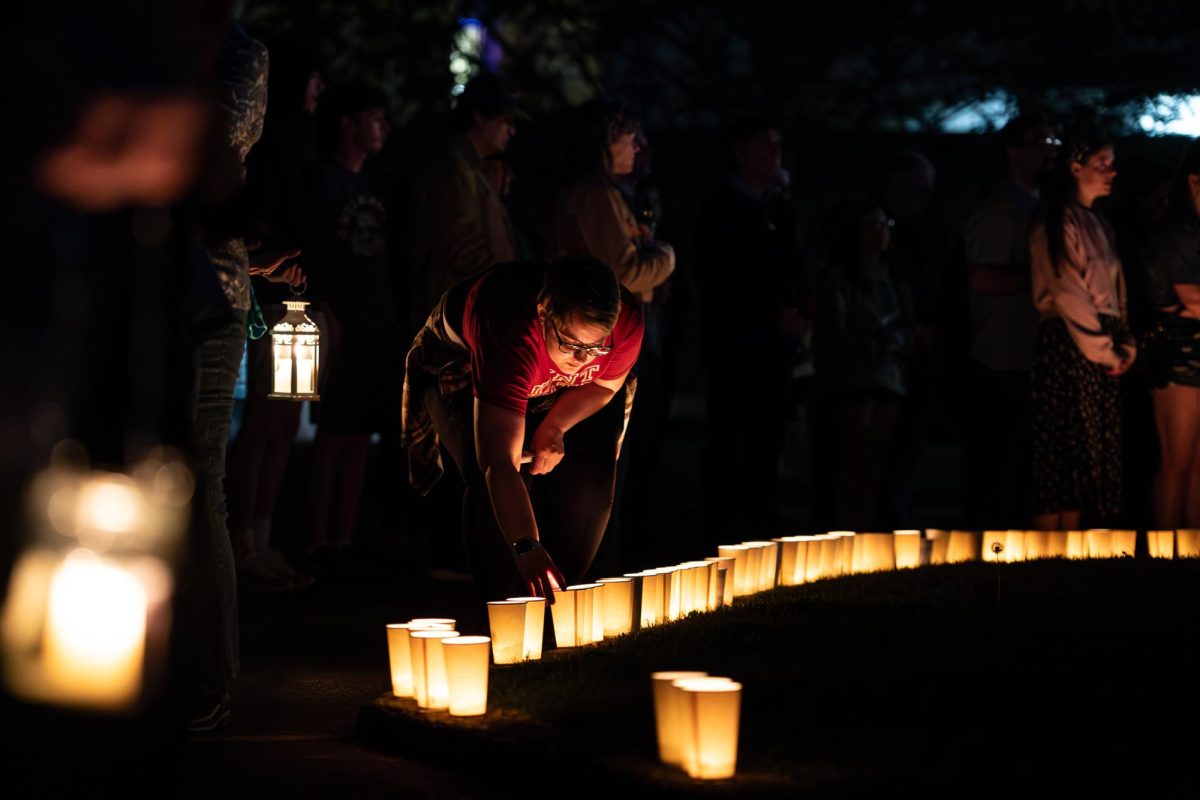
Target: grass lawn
x=1051, y=676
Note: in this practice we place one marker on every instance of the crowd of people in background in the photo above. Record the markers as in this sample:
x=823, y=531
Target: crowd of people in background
x=1021, y=320
x=1057, y=333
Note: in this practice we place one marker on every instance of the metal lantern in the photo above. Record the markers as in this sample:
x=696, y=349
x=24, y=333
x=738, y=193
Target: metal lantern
x=296, y=351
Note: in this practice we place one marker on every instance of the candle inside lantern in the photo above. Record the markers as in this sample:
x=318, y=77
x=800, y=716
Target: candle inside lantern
x=283, y=367
x=874, y=552
x=1036, y=544
x=964, y=546
x=400, y=650
x=939, y=545
x=535, y=626
x=507, y=620
x=669, y=720
x=95, y=632
x=1123, y=543
x=616, y=597
x=305, y=367
x=466, y=675
x=1099, y=543
x=562, y=613
x=429, y=668
x=1187, y=543
x=712, y=710
x=906, y=549
x=1161, y=543
x=739, y=553
x=1014, y=546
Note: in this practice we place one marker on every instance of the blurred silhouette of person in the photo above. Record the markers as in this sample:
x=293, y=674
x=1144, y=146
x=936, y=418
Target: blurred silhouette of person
x=346, y=258
x=863, y=334
x=748, y=270
x=917, y=254
x=996, y=445
x=459, y=224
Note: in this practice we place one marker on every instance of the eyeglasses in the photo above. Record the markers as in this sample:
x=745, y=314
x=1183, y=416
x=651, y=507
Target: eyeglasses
x=1049, y=141
x=580, y=351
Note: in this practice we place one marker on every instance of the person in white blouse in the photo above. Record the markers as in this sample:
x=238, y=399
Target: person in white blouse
x=1083, y=343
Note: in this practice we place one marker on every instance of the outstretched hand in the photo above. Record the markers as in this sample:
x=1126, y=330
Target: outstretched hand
x=539, y=572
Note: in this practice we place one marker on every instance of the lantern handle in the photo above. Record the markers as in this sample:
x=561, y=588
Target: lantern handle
x=298, y=291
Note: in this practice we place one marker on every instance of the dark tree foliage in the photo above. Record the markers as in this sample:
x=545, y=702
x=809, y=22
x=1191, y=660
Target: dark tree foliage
x=845, y=64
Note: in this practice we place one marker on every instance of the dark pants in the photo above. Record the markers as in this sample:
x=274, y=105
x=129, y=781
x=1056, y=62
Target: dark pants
x=997, y=449
x=208, y=581
x=572, y=504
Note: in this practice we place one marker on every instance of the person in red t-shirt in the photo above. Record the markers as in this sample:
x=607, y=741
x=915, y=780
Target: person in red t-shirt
x=545, y=349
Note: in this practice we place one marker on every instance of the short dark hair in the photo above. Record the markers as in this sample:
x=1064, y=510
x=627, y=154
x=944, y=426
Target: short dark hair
x=344, y=100
x=581, y=288
x=751, y=127
x=1018, y=129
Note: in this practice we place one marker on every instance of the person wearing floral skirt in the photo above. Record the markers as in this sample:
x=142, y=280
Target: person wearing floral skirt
x=1083, y=344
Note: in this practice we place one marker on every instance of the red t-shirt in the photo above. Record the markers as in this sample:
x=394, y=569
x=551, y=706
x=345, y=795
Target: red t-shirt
x=509, y=363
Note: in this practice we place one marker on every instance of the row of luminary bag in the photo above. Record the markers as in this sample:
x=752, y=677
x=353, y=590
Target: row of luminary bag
x=588, y=613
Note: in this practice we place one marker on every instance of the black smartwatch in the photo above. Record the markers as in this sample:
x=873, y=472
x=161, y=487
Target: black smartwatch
x=525, y=545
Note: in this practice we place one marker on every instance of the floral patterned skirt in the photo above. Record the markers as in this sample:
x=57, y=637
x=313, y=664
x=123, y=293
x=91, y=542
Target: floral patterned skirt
x=1076, y=427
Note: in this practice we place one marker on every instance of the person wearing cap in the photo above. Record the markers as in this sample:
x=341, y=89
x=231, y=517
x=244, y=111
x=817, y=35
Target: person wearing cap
x=522, y=375
x=458, y=224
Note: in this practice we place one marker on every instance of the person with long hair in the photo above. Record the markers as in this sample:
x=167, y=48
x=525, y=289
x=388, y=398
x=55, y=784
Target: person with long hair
x=1173, y=269
x=1083, y=343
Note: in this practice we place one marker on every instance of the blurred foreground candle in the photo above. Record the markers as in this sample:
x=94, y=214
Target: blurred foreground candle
x=466, y=674
x=1099, y=543
x=964, y=546
x=712, y=711
x=1187, y=543
x=1124, y=543
x=429, y=668
x=95, y=632
x=1056, y=544
x=507, y=620
x=906, y=549
x=86, y=619
x=669, y=718
x=1161, y=543
x=874, y=552
x=616, y=596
